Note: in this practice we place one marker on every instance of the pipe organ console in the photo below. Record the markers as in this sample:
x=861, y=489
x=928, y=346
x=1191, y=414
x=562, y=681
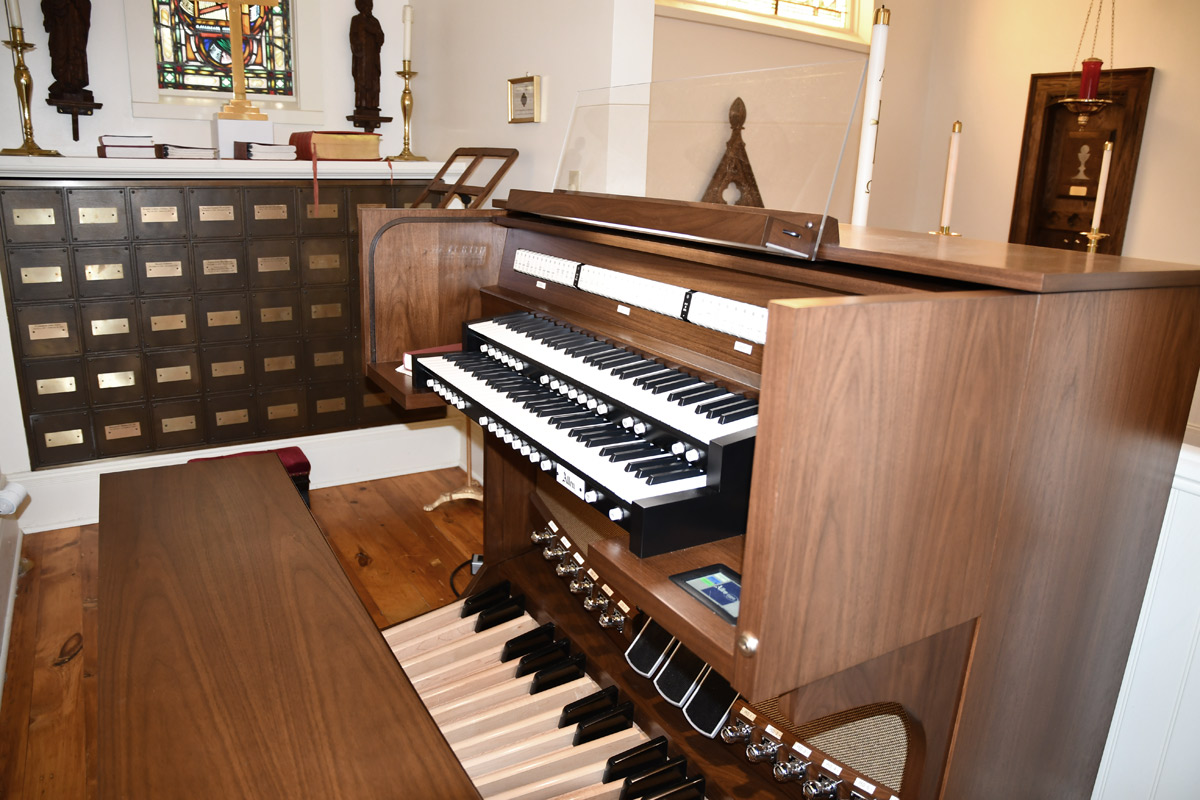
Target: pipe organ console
x=938, y=466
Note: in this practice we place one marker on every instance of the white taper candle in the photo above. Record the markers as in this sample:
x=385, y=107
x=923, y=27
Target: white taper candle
x=870, y=124
x=951, y=173
x=408, y=20
x=13, y=7
x=1102, y=186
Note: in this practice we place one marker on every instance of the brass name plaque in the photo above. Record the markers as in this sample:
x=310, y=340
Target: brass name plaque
x=56, y=385
x=48, y=330
x=33, y=216
x=329, y=359
x=218, y=318
x=1077, y=191
x=109, y=327
x=172, y=374
x=326, y=261
x=331, y=404
x=279, y=363
x=164, y=269
x=237, y=417
x=274, y=264
x=223, y=369
x=177, y=424
x=41, y=275
x=376, y=399
x=160, y=214
x=283, y=411
x=64, y=438
x=270, y=212
x=216, y=213
x=220, y=266
x=326, y=310
x=116, y=380
x=104, y=272
x=98, y=216
x=125, y=430
x=169, y=322
x=279, y=314
x=323, y=211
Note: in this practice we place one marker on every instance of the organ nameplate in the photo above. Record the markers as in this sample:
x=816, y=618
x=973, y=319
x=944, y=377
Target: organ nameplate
x=270, y=212
x=621, y=604
x=565, y=542
x=125, y=430
x=64, y=438
x=168, y=322
x=326, y=261
x=164, y=269
x=540, y=284
x=593, y=574
x=323, y=211
x=279, y=363
x=236, y=417
x=773, y=732
x=326, y=310
x=330, y=359
x=604, y=587
x=98, y=216
x=160, y=214
x=177, y=424
x=276, y=314
x=553, y=526
x=48, y=330
x=283, y=411
x=109, y=327
x=218, y=318
x=216, y=213
x=578, y=558
x=41, y=275
x=56, y=385
x=829, y=766
x=1077, y=191
x=750, y=715
x=172, y=374
x=223, y=369
x=375, y=399
x=331, y=404
x=33, y=216
x=115, y=380
x=274, y=264
x=570, y=480
x=104, y=272
x=742, y=347
x=869, y=788
x=220, y=266
x=623, y=310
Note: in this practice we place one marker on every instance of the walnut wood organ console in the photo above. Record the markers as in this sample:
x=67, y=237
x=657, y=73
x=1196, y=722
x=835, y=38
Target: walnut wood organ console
x=939, y=466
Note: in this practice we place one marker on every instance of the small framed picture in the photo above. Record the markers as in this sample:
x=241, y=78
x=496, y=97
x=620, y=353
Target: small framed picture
x=525, y=99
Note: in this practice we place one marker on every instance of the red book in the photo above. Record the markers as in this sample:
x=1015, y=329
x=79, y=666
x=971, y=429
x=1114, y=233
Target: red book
x=428, y=351
x=335, y=145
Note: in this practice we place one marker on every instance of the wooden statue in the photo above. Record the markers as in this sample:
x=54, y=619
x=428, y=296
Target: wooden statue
x=735, y=166
x=67, y=22
x=366, y=40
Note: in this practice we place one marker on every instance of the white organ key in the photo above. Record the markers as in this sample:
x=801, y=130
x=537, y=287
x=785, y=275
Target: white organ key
x=496, y=716
x=494, y=674
x=465, y=706
x=597, y=791
x=419, y=626
x=610, y=475
x=506, y=754
x=521, y=727
x=407, y=648
x=583, y=764
x=467, y=646
x=681, y=418
x=462, y=669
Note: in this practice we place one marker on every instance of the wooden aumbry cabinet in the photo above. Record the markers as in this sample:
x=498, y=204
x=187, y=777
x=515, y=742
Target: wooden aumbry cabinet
x=152, y=315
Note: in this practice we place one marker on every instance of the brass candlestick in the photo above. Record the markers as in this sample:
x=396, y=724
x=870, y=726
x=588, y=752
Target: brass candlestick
x=406, y=106
x=1093, y=236
x=24, y=83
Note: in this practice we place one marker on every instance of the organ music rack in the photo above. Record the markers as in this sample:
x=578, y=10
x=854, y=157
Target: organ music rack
x=963, y=457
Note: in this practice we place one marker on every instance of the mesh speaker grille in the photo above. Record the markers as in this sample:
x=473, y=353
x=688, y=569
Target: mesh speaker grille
x=870, y=739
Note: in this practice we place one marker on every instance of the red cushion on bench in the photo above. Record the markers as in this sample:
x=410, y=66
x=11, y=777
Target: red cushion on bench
x=292, y=458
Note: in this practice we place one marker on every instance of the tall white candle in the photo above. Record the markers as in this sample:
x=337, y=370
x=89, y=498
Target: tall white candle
x=870, y=124
x=13, y=7
x=408, y=19
x=1104, y=164
x=951, y=172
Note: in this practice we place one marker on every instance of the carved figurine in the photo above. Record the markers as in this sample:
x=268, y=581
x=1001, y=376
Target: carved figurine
x=366, y=40
x=735, y=166
x=68, y=22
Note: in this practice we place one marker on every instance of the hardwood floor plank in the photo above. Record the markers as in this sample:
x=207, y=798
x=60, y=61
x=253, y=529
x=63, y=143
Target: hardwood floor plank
x=18, y=682
x=56, y=759
x=89, y=553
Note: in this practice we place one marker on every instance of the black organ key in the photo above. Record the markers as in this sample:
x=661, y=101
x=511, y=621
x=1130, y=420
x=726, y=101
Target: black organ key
x=721, y=402
x=653, y=379
x=575, y=712
x=482, y=599
x=503, y=611
x=664, y=461
x=567, y=670
x=685, y=397
x=604, y=724
x=691, y=789
x=676, y=383
x=734, y=416
x=732, y=408
x=641, y=451
x=636, y=760
x=623, y=358
x=527, y=642
x=630, y=371
x=675, y=475
x=665, y=776
x=546, y=656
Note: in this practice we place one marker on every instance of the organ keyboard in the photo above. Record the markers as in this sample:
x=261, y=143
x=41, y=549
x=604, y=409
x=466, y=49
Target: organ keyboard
x=901, y=445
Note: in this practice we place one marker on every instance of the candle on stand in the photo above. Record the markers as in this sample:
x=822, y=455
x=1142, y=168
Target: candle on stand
x=951, y=172
x=1102, y=186
x=408, y=18
x=13, y=8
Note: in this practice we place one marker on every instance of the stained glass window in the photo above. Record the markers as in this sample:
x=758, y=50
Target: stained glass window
x=192, y=43
x=833, y=13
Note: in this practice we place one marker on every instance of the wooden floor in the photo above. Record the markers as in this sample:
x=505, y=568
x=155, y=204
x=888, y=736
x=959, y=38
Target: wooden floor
x=398, y=557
